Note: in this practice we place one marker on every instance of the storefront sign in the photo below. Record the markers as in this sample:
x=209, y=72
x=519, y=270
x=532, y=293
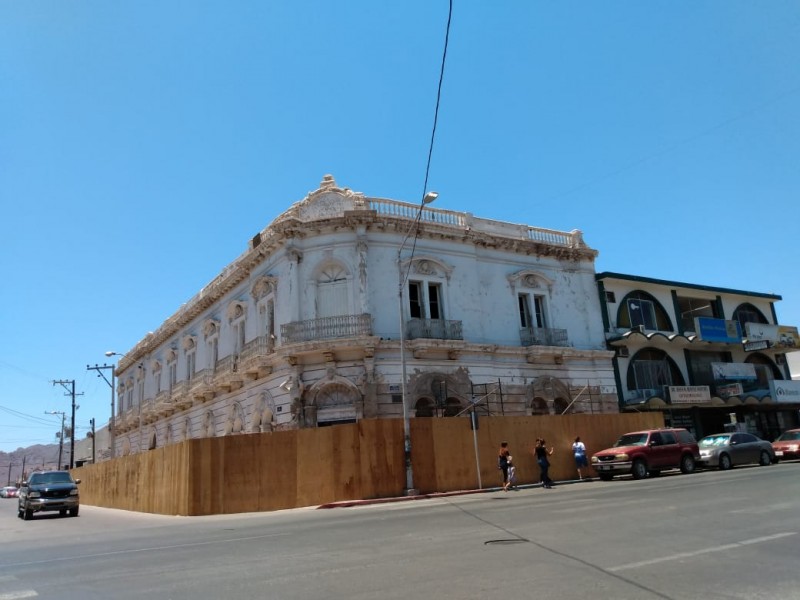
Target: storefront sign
x=689, y=394
x=780, y=336
x=729, y=389
x=733, y=370
x=785, y=391
x=718, y=330
x=756, y=345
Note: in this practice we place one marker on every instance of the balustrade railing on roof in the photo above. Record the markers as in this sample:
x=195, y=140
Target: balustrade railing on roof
x=409, y=211
x=326, y=328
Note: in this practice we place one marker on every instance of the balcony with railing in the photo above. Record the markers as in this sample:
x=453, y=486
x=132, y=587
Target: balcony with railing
x=163, y=404
x=254, y=359
x=226, y=374
x=543, y=336
x=327, y=328
x=148, y=413
x=201, y=386
x=179, y=395
x=434, y=329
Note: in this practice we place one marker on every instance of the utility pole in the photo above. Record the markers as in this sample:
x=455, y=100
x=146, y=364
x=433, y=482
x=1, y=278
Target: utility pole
x=9, y=471
x=100, y=373
x=94, y=444
x=70, y=392
x=24, y=458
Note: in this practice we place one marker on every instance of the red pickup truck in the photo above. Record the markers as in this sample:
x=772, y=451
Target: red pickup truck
x=644, y=453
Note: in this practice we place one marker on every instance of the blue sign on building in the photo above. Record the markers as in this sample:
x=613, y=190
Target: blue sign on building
x=719, y=330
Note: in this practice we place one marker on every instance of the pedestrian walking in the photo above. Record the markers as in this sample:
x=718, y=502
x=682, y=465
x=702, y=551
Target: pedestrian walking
x=512, y=473
x=502, y=463
x=542, y=454
x=579, y=451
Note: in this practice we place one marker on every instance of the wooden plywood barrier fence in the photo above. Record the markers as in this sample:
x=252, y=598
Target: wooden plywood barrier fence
x=289, y=469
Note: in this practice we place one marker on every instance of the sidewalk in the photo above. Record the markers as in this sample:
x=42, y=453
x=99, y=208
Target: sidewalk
x=527, y=486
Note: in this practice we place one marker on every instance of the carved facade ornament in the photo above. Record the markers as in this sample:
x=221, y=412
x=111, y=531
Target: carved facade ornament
x=428, y=266
x=210, y=327
x=528, y=278
x=188, y=343
x=263, y=286
x=172, y=355
x=155, y=366
x=236, y=310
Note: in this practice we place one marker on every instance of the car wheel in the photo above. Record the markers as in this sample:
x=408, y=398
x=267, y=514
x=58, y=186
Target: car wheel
x=606, y=476
x=73, y=512
x=724, y=462
x=687, y=464
x=765, y=459
x=27, y=515
x=639, y=469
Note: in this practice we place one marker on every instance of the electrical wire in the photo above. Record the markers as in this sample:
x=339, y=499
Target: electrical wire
x=415, y=224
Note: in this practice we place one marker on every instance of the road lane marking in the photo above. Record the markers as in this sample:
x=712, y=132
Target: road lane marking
x=18, y=595
x=721, y=548
x=151, y=549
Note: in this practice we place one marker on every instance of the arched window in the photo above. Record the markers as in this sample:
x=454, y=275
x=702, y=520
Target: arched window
x=333, y=298
x=650, y=369
x=642, y=309
x=336, y=403
x=539, y=406
x=747, y=313
x=560, y=406
x=452, y=407
x=424, y=407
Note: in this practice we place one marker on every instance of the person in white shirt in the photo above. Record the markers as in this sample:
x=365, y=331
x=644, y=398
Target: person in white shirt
x=579, y=451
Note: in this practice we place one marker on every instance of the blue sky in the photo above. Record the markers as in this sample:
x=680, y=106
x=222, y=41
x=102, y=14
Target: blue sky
x=142, y=144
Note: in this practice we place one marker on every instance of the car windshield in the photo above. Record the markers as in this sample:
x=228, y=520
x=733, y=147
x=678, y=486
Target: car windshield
x=55, y=477
x=715, y=440
x=631, y=439
x=789, y=435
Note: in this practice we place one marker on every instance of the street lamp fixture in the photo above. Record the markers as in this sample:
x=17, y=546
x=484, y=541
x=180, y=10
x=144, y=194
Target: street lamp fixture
x=409, y=489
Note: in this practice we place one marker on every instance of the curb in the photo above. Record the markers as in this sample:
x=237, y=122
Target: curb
x=368, y=501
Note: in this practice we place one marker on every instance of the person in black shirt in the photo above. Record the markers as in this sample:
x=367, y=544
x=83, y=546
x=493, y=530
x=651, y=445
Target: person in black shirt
x=542, y=453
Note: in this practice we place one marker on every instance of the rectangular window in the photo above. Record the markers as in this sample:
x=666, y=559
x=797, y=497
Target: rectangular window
x=213, y=352
x=239, y=333
x=641, y=312
x=173, y=375
x=610, y=297
x=538, y=307
x=157, y=376
x=425, y=300
x=415, y=301
x=694, y=307
x=524, y=311
x=434, y=304
x=651, y=374
x=190, y=364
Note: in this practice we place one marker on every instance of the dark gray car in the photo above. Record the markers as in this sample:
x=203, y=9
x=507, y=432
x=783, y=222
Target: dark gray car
x=725, y=450
x=48, y=491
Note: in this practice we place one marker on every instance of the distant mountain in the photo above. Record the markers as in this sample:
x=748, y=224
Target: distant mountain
x=34, y=457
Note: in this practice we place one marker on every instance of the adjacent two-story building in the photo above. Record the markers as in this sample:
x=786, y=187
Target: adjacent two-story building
x=710, y=358
x=318, y=320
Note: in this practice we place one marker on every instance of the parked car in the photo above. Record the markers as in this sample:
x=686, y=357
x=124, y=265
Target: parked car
x=643, y=453
x=725, y=450
x=8, y=492
x=48, y=491
x=787, y=445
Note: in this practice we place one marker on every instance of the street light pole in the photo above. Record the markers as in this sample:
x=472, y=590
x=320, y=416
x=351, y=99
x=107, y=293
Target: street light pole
x=409, y=490
x=113, y=386
x=60, y=437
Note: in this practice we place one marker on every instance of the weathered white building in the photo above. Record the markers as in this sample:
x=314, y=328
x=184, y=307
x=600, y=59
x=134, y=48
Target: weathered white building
x=707, y=357
x=304, y=328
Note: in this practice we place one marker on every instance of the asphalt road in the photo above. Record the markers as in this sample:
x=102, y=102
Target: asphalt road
x=710, y=535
